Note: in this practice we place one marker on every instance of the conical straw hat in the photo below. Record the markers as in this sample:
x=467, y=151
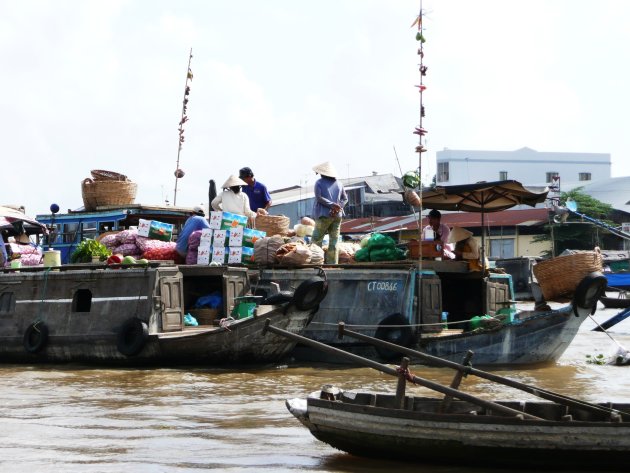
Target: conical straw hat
x=458, y=234
x=234, y=181
x=326, y=169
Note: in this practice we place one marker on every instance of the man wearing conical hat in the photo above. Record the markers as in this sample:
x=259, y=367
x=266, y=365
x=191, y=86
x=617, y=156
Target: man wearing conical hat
x=232, y=199
x=330, y=199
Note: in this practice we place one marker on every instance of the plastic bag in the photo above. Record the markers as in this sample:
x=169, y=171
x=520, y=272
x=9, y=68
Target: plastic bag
x=294, y=253
x=265, y=249
x=362, y=255
x=378, y=240
x=190, y=321
x=212, y=300
x=317, y=254
x=386, y=254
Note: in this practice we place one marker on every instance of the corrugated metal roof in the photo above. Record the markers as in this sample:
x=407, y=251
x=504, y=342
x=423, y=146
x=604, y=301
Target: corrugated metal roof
x=506, y=218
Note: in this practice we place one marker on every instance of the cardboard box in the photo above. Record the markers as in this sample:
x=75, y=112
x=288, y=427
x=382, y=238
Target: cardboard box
x=235, y=237
x=204, y=254
x=143, y=227
x=250, y=236
x=247, y=255
x=206, y=237
x=230, y=220
x=235, y=255
x=219, y=237
x=215, y=219
x=218, y=254
x=155, y=230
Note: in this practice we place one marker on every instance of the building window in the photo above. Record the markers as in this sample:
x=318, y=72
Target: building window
x=502, y=175
x=584, y=176
x=551, y=175
x=502, y=248
x=442, y=172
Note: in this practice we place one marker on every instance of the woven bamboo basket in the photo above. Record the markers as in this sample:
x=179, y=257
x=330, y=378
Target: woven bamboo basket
x=99, y=193
x=560, y=276
x=101, y=175
x=273, y=224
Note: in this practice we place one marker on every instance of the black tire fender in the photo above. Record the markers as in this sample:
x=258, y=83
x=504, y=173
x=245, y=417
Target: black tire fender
x=402, y=336
x=36, y=337
x=588, y=292
x=132, y=336
x=278, y=298
x=310, y=293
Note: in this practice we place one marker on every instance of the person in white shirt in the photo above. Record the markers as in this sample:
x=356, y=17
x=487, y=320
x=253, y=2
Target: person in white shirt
x=440, y=232
x=232, y=199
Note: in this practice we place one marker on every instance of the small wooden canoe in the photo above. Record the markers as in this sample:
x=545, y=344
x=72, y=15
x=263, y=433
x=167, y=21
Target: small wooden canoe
x=368, y=424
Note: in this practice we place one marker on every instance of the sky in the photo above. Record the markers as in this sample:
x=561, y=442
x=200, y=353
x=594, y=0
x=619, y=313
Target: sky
x=282, y=85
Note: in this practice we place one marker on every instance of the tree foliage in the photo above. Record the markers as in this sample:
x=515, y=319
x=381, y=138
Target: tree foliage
x=577, y=233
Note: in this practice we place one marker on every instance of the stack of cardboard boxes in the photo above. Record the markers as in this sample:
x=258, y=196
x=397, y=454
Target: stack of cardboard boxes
x=227, y=240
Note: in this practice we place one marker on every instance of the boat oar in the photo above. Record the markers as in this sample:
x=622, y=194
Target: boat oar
x=543, y=393
x=493, y=406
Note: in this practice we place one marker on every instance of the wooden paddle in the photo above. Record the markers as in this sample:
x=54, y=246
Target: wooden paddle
x=493, y=406
x=436, y=361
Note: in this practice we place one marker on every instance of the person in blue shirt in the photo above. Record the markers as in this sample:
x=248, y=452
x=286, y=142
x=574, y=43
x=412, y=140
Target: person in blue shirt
x=259, y=197
x=197, y=221
x=330, y=199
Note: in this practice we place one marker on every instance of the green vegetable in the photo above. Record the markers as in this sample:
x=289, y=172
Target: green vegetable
x=87, y=249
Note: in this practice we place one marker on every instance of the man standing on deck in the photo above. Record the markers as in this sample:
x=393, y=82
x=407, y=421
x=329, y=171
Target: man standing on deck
x=259, y=197
x=330, y=199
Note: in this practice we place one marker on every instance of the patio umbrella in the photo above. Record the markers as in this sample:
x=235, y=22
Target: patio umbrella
x=14, y=221
x=483, y=197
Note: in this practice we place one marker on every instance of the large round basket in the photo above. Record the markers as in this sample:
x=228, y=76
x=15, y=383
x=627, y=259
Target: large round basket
x=108, y=192
x=273, y=224
x=101, y=175
x=560, y=276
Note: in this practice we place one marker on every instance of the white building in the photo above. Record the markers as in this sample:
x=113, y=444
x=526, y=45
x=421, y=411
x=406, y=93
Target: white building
x=528, y=166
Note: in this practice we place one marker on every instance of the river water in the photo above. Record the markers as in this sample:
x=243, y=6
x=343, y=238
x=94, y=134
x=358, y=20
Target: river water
x=83, y=419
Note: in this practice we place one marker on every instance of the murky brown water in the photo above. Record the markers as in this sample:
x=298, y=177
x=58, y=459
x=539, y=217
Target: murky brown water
x=80, y=419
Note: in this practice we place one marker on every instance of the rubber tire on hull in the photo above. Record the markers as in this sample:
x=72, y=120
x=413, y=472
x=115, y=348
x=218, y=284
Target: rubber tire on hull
x=402, y=336
x=588, y=292
x=132, y=337
x=35, y=337
x=310, y=293
x=278, y=298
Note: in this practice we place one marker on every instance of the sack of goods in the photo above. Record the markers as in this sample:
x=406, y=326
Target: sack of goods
x=266, y=248
x=294, y=253
x=273, y=224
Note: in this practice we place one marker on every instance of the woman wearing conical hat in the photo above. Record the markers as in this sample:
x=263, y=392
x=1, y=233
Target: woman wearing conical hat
x=232, y=199
x=466, y=248
x=330, y=199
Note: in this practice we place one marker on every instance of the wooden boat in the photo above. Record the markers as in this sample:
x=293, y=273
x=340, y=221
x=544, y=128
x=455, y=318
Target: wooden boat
x=402, y=304
x=621, y=301
x=405, y=303
x=108, y=314
x=561, y=432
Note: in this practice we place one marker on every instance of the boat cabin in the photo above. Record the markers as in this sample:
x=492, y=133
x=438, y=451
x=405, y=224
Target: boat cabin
x=69, y=229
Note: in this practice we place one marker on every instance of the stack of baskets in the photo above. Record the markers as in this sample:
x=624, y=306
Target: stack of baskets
x=107, y=188
x=273, y=224
x=560, y=276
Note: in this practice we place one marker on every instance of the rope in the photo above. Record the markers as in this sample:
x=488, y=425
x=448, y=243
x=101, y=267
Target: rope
x=609, y=335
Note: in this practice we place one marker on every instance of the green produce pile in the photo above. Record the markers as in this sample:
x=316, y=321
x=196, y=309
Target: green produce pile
x=87, y=249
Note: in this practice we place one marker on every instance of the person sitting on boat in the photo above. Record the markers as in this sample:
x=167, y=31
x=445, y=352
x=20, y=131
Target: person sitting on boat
x=330, y=199
x=466, y=248
x=197, y=221
x=436, y=230
x=232, y=199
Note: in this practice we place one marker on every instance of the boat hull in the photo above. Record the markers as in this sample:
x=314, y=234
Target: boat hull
x=122, y=318
x=364, y=298
x=383, y=432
